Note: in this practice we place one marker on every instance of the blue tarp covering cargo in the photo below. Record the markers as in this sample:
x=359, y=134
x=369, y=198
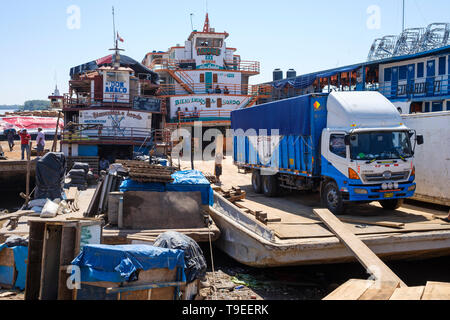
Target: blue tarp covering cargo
x=183, y=181
x=120, y=263
x=291, y=117
x=20, y=265
x=299, y=121
x=192, y=180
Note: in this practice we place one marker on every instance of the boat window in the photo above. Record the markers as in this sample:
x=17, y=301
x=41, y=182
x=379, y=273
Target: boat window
x=387, y=74
x=442, y=62
x=202, y=77
x=215, y=78
x=337, y=145
x=402, y=73
x=219, y=103
x=211, y=43
x=208, y=102
x=420, y=68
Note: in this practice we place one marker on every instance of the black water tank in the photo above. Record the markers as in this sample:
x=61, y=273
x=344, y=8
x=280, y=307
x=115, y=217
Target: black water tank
x=291, y=73
x=277, y=74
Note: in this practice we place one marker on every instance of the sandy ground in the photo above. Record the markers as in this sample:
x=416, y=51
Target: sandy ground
x=16, y=154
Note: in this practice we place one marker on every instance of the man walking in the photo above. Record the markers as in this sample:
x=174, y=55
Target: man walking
x=25, y=142
x=40, y=142
x=10, y=137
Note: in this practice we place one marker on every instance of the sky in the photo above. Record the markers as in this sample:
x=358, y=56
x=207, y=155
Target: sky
x=41, y=40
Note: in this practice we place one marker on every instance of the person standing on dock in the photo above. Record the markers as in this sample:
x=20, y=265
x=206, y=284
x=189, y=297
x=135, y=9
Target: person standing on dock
x=10, y=137
x=25, y=142
x=40, y=142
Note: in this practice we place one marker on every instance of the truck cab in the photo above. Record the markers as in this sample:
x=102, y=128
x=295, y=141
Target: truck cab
x=367, y=153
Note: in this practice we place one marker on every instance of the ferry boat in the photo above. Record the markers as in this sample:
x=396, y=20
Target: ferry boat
x=111, y=110
x=204, y=80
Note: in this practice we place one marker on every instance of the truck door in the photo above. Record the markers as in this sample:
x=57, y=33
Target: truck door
x=334, y=161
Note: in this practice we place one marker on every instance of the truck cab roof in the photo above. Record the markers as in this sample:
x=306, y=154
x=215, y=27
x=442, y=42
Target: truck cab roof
x=362, y=110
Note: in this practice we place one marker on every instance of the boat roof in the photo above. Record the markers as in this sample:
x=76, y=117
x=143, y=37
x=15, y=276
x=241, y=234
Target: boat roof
x=304, y=81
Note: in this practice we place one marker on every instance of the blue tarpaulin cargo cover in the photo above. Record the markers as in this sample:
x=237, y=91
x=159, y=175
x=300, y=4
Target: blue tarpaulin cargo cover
x=192, y=180
x=20, y=263
x=290, y=116
x=120, y=263
x=183, y=181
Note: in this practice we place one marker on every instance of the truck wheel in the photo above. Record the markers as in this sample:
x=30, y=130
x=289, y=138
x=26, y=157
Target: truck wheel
x=256, y=181
x=270, y=185
x=332, y=198
x=391, y=204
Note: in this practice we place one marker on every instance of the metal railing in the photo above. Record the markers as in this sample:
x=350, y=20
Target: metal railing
x=113, y=135
x=87, y=101
x=236, y=65
x=216, y=88
x=202, y=115
x=427, y=87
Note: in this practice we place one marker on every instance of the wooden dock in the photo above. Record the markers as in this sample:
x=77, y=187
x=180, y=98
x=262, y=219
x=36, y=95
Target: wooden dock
x=356, y=289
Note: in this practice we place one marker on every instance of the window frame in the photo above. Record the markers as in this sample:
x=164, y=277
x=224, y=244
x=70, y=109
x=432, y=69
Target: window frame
x=330, y=146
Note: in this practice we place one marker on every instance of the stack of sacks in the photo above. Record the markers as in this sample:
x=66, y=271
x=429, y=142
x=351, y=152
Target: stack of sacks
x=78, y=175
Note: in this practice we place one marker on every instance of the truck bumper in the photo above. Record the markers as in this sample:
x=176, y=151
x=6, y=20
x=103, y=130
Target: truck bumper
x=375, y=193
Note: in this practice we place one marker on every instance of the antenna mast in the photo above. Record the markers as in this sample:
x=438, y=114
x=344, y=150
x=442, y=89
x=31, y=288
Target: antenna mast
x=403, y=19
x=114, y=28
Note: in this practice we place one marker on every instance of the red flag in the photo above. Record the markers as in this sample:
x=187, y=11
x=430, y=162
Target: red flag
x=119, y=38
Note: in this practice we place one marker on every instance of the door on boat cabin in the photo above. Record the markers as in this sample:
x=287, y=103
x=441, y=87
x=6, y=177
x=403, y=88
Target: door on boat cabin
x=410, y=79
x=394, y=82
x=431, y=73
x=208, y=81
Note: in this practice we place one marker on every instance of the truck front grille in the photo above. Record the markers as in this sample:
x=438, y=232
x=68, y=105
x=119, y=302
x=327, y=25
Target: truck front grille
x=378, y=177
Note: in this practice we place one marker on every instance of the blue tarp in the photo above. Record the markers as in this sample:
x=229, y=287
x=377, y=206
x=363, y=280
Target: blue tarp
x=184, y=181
x=120, y=263
x=20, y=258
x=192, y=180
x=131, y=185
x=289, y=116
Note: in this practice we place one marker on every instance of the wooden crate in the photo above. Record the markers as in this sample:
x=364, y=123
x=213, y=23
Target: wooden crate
x=52, y=247
x=135, y=290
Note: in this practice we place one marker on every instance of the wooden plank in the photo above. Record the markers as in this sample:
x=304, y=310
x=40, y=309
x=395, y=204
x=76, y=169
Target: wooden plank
x=35, y=246
x=16, y=214
x=408, y=293
x=7, y=257
x=397, y=225
x=380, y=290
x=436, y=291
x=145, y=287
x=365, y=256
x=351, y=290
x=50, y=263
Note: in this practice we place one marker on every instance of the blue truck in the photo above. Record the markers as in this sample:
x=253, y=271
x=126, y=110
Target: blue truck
x=349, y=146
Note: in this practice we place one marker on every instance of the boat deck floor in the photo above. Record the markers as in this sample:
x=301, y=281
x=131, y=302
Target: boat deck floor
x=298, y=221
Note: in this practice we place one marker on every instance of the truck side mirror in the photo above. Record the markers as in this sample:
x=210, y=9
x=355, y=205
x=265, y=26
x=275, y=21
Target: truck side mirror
x=347, y=140
x=419, y=139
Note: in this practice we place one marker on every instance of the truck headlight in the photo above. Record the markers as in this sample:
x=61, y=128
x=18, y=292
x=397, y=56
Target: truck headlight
x=412, y=188
x=360, y=191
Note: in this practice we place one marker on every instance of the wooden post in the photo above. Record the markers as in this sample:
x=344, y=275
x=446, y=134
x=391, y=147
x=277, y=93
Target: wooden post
x=55, y=138
x=28, y=174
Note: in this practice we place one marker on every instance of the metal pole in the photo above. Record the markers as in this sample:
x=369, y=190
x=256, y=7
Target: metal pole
x=403, y=19
x=114, y=26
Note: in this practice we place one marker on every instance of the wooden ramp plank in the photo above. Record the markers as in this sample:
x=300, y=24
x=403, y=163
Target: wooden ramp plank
x=436, y=291
x=366, y=257
x=380, y=291
x=408, y=293
x=351, y=290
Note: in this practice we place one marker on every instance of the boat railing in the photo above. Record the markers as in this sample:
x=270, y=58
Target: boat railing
x=426, y=87
x=216, y=88
x=83, y=101
x=202, y=115
x=247, y=66
x=98, y=133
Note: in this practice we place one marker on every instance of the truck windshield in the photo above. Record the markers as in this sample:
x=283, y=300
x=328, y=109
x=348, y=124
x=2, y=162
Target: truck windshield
x=380, y=145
